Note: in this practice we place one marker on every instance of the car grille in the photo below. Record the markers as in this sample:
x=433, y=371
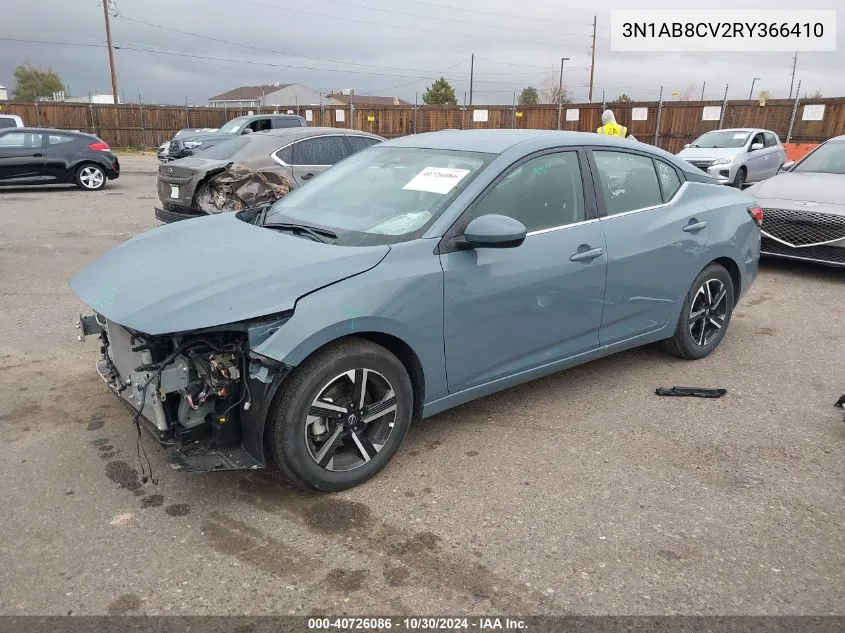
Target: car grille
x=803, y=228
x=702, y=164
x=830, y=254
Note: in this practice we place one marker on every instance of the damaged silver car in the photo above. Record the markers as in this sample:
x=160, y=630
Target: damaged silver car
x=252, y=170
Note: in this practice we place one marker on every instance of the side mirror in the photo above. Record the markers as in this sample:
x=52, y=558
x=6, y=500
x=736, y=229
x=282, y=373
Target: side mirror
x=494, y=231
x=788, y=165
x=247, y=130
x=686, y=146
x=755, y=146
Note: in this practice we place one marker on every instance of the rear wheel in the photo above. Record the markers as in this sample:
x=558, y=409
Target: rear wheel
x=342, y=416
x=705, y=315
x=90, y=177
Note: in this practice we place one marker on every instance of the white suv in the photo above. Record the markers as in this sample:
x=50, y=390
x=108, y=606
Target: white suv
x=10, y=120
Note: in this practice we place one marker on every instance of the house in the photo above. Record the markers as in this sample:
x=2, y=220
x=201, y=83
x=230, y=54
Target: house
x=362, y=101
x=276, y=94
x=91, y=98
x=4, y=96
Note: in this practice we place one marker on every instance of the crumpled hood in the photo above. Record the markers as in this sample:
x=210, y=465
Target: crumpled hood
x=709, y=153
x=803, y=187
x=206, y=136
x=212, y=271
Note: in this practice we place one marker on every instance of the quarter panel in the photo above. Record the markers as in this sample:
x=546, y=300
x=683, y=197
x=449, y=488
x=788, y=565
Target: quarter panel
x=402, y=297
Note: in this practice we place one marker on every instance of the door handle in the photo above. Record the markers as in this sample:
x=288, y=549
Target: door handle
x=586, y=256
x=38, y=155
x=308, y=176
x=695, y=227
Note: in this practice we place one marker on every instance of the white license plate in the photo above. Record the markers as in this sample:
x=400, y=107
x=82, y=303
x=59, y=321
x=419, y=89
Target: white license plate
x=174, y=191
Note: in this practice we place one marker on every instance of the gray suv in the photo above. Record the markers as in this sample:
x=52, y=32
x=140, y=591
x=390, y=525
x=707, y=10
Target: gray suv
x=188, y=145
x=736, y=156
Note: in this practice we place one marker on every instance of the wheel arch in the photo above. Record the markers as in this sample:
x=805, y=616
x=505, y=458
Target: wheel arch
x=733, y=270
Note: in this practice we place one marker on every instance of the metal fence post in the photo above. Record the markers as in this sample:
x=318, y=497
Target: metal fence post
x=143, y=130
x=415, y=112
x=724, y=107
x=513, y=111
x=659, y=113
x=794, y=112
x=187, y=123
x=37, y=114
x=91, y=116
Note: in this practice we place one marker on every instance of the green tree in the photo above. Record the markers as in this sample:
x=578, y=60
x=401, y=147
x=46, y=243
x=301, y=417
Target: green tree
x=440, y=93
x=529, y=96
x=764, y=95
x=816, y=95
x=33, y=82
x=623, y=98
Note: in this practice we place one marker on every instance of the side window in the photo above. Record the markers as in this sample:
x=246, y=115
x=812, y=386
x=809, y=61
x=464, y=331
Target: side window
x=771, y=139
x=58, y=139
x=321, y=150
x=361, y=142
x=7, y=121
x=286, y=123
x=628, y=181
x=758, y=138
x=669, y=181
x=260, y=125
x=285, y=154
x=542, y=193
x=21, y=140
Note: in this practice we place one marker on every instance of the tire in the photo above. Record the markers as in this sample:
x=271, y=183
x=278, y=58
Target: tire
x=319, y=451
x=703, y=320
x=739, y=179
x=90, y=177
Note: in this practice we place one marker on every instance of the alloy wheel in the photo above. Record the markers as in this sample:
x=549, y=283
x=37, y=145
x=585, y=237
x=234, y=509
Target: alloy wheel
x=350, y=420
x=708, y=311
x=91, y=177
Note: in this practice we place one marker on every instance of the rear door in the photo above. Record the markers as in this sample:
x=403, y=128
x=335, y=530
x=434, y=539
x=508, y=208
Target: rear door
x=60, y=150
x=312, y=156
x=21, y=156
x=655, y=239
x=775, y=154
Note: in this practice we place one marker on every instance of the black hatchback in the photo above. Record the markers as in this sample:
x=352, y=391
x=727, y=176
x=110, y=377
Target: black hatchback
x=40, y=156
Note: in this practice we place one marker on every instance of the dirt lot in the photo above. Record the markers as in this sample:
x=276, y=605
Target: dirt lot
x=580, y=493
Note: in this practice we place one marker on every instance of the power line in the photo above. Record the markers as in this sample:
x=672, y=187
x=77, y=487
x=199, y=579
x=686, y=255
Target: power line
x=438, y=19
x=416, y=29
x=496, y=14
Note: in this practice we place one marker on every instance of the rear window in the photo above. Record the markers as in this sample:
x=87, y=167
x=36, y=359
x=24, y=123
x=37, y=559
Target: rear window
x=7, y=121
x=281, y=123
x=361, y=142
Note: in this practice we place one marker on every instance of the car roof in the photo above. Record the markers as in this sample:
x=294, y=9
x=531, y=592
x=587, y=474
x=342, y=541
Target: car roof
x=304, y=132
x=47, y=129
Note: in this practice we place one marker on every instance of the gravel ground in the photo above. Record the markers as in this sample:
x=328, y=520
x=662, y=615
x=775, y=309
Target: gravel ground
x=581, y=493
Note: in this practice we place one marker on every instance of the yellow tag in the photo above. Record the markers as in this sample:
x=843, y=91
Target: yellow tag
x=519, y=115
x=371, y=118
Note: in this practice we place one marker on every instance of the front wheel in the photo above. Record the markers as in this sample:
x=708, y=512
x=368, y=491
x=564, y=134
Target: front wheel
x=739, y=179
x=341, y=416
x=705, y=315
x=90, y=177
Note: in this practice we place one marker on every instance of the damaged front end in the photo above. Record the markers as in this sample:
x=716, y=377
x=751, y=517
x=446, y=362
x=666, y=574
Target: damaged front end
x=240, y=187
x=203, y=393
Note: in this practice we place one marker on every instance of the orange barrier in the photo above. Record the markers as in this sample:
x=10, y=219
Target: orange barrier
x=797, y=151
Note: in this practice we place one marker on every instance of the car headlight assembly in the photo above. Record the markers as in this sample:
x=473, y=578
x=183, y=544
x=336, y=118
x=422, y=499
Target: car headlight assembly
x=192, y=144
x=724, y=160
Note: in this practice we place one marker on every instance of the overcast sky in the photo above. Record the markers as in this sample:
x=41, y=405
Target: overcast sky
x=384, y=47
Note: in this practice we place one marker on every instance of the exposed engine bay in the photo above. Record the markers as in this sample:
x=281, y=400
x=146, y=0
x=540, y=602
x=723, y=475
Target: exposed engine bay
x=191, y=390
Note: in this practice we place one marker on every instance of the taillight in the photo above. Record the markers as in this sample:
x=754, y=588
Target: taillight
x=756, y=214
x=99, y=146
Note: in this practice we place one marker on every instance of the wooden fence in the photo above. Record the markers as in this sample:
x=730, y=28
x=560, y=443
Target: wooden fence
x=679, y=121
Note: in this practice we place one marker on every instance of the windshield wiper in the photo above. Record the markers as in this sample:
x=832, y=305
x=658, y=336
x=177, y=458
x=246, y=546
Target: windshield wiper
x=315, y=232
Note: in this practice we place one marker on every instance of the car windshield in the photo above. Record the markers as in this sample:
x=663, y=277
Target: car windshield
x=827, y=159
x=722, y=139
x=382, y=195
x=232, y=126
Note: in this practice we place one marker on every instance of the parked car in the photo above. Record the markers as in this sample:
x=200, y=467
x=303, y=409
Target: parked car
x=417, y=275
x=191, y=144
x=804, y=207
x=10, y=120
x=36, y=156
x=254, y=169
x=736, y=156
x=163, y=152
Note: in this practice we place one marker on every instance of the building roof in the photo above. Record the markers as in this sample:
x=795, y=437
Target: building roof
x=245, y=93
x=368, y=100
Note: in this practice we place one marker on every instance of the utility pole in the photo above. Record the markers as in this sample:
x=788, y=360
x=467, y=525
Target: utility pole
x=592, y=63
x=560, y=92
x=751, y=92
x=471, y=73
x=702, y=91
x=792, y=81
x=111, y=50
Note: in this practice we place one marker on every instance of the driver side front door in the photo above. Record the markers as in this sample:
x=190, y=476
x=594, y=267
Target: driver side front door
x=512, y=310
